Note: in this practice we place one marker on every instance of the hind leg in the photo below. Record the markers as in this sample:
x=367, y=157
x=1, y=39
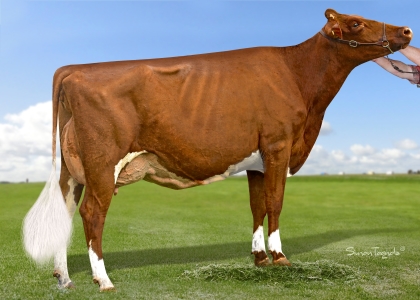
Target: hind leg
x=257, y=202
x=94, y=207
x=71, y=193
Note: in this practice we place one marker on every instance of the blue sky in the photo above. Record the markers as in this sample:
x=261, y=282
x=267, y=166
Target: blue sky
x=373, y=123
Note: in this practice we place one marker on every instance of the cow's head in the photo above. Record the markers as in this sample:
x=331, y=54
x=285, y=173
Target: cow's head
x=376, y=38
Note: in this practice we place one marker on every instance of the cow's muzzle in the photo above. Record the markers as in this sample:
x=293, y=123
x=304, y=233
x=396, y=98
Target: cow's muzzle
x=406, y=33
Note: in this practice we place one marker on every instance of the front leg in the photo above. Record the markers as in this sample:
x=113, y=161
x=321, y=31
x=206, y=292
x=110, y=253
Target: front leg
x=276, y=162
x=257, y=202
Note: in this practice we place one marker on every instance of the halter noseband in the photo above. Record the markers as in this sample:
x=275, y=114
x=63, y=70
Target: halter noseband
x=352, y=43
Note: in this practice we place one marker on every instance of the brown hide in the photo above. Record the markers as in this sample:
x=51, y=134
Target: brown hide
x=197, y=115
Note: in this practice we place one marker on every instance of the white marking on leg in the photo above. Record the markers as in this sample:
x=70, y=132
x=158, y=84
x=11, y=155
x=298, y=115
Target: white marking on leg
x=60, y=268
x=258, y=243
x=288, y=173
x=98, y=270
x=123, y=162
x=70, y=203
x=274, y=242
x=60, y=258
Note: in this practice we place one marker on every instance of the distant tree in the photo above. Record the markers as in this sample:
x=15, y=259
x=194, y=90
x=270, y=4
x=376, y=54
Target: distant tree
x=410, y=171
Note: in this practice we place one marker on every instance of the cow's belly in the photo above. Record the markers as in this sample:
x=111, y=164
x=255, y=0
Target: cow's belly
x=143, y=165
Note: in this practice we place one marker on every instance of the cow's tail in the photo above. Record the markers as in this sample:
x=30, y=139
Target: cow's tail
x=47, y=226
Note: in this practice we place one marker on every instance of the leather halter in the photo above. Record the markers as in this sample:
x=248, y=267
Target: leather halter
x=352, y=43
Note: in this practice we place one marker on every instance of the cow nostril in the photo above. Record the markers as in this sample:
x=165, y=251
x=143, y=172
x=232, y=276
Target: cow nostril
x=407, y=32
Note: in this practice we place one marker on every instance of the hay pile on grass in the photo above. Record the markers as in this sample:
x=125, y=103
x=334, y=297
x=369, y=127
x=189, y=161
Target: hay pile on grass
x=322, y=270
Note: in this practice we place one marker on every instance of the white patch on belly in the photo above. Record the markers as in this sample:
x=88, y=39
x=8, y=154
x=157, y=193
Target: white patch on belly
x=274, y=242
x=98, y=270
x=123, y=162
x=253, y=162
x=258, y=243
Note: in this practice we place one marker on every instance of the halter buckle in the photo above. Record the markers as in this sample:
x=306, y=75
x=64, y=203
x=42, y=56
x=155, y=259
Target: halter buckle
x=353, y=43
x=385, y=44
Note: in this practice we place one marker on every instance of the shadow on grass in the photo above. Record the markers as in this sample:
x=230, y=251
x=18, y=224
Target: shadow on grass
x=215, y=252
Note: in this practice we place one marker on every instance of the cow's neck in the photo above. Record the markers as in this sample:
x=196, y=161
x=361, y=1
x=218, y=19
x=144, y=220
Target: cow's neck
x=320, y=70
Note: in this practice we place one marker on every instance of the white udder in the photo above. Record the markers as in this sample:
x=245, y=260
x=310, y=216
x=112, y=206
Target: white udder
x=123, y=162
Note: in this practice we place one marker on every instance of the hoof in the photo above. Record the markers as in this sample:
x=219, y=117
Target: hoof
x=279, y=259
x=282, y=262
x=262, y=263
x=261, y=259
x=105, y=285
x=63, y=282
x=107, y=289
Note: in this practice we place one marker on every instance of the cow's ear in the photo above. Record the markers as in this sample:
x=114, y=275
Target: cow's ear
x=332, y=29
x=331, y=14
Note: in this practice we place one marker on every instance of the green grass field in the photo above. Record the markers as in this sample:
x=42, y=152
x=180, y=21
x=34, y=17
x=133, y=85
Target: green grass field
x=348, y=237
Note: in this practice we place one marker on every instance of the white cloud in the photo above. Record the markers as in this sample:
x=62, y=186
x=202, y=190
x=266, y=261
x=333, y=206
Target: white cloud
x=361, y=160
x=25, y=144
x=406, y=144
x=338, y=155
x=325, y=128
x=362, y=150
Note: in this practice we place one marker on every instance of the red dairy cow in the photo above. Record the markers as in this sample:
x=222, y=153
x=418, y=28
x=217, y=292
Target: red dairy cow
x=187, y=121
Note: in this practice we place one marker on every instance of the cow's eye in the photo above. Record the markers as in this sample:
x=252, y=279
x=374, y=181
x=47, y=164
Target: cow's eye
x=355, y=24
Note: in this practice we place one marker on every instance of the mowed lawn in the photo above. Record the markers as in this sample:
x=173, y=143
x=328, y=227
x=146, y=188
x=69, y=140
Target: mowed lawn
x=348, y=237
